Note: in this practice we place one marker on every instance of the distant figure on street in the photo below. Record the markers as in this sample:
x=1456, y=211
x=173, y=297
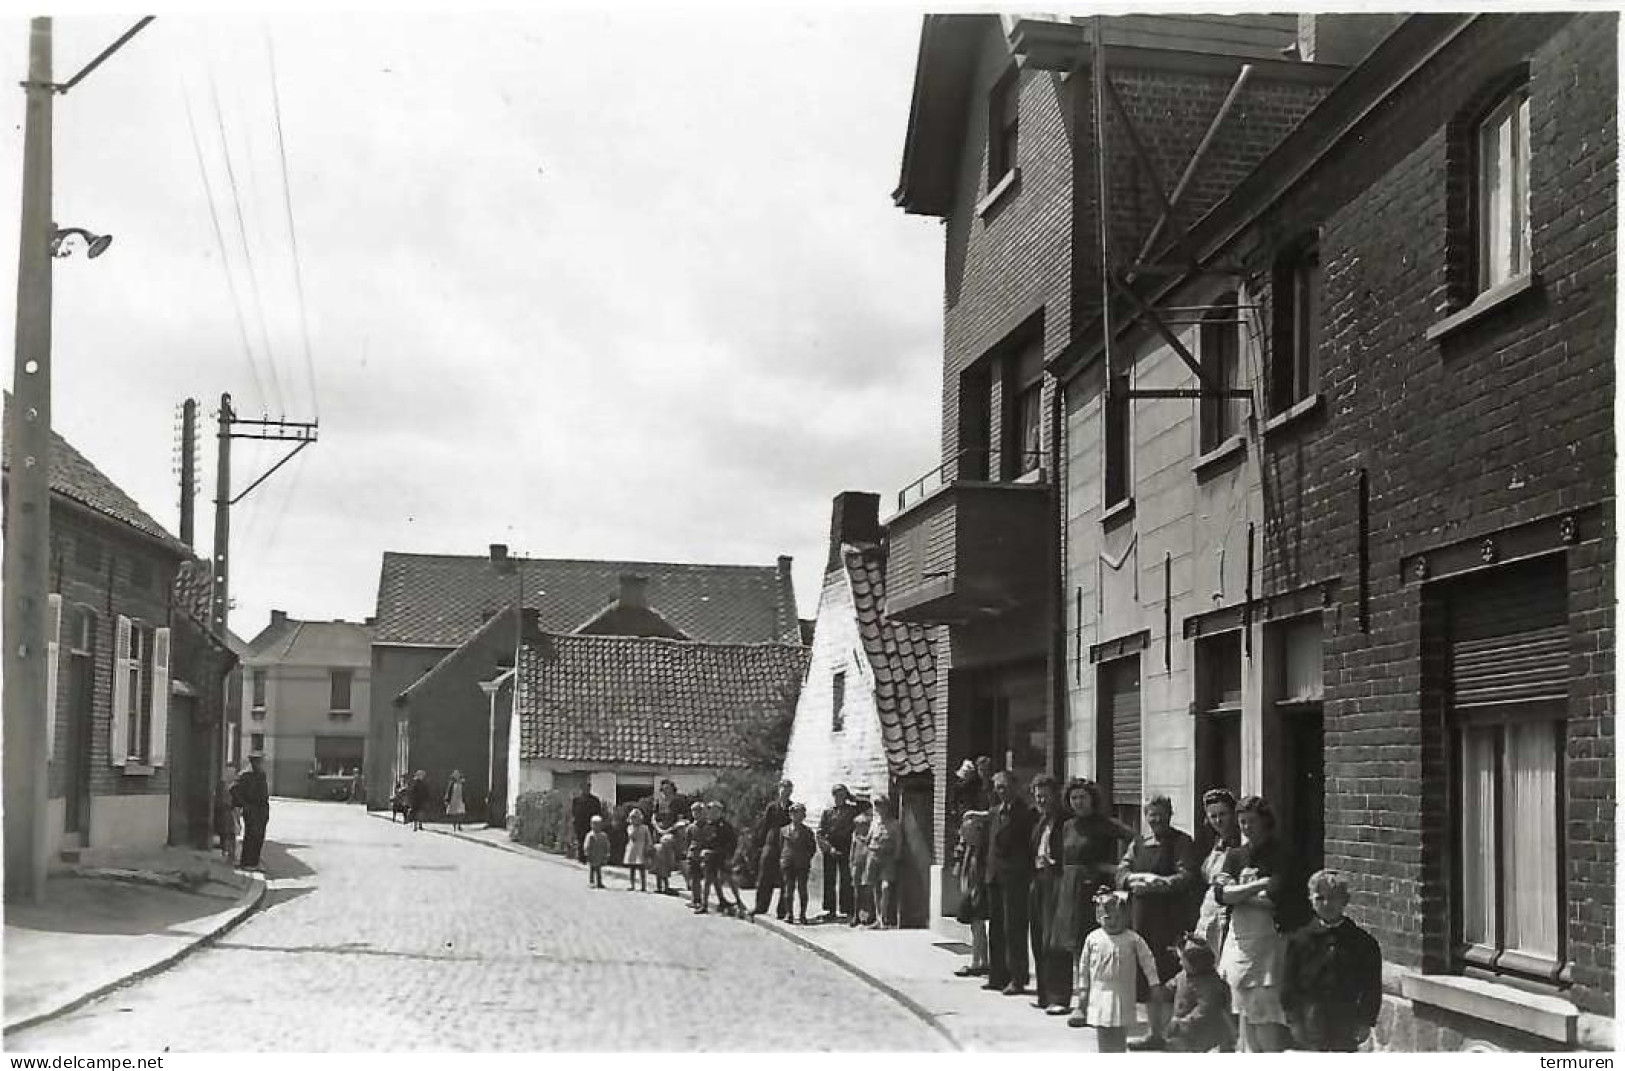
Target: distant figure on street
x=717, y=860
x=226, y=819
x=400, y=800
x=885, y=849
x=455, y=808
x=583, y=809
x=863, y=903
x=251, y=794
x=418, y=797
x=699, y=836
x=639, y=847
x=595, y=850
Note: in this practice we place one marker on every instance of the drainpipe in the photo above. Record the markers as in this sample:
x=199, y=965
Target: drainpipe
x=1058, y=696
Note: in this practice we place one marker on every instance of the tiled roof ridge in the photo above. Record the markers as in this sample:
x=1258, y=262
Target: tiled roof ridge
x=577, y=637
x=520, y=560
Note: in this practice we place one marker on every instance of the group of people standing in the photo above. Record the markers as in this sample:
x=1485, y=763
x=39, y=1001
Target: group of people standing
x=411, y=798
x=860, y=842
x=1221, y=946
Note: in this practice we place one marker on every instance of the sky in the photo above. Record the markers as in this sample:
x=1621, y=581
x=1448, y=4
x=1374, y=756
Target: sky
x=615, y=284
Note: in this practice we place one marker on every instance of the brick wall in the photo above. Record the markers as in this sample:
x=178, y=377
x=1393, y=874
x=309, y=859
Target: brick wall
x=394, y=669
x=1504, y=421
x=104, y=566
x=450, y=717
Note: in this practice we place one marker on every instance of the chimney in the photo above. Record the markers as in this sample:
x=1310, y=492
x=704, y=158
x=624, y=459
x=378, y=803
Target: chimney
x=499, y=553
x=279, y=617
x=634, y=591
x=855, y=519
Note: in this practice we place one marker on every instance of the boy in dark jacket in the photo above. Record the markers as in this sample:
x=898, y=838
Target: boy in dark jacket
x=717, y=858
x=797, y=846
x=1331, y=973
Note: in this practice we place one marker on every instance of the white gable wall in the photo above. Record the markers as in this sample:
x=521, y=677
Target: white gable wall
x=819, y=757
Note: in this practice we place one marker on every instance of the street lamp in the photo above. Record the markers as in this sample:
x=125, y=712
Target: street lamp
x=96, y=244
x=491, y=688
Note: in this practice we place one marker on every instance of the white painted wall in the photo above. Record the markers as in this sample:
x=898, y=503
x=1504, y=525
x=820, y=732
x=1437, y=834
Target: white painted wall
x=818, y=757
x=1198, y=527
x=128, y=821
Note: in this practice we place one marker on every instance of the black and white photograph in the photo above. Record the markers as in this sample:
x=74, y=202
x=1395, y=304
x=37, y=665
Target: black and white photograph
x=695, y=529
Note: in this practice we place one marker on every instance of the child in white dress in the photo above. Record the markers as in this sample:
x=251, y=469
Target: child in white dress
x=639, y=846
x=1106, y=982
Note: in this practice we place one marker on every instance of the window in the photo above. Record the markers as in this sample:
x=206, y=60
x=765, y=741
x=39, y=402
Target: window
x=1506, y=659
x=257, y=695
x=1295, y=363
x=1502, y=146
x=1026, y=432
x=1218, y=713
x=1004, y=125
x=837, y=718
x=338, y=756
x=140, y=724
x=1220, y=353
x=340, y=702
x=975, y=422
x=256, y=743
x=1118, y=445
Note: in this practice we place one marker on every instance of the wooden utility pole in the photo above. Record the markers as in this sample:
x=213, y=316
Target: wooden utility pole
x=28, y=500
x=220, y=604
x=188, y=471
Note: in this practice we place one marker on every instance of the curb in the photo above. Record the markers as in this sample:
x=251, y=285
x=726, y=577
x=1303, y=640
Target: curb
x=919, y=1010
x=209, y=928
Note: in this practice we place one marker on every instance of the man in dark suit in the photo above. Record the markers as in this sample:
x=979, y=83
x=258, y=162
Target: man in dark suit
x=583, y=809
x=1009, y=875
x=835, y=841
x=775, y=816
x=1052, y=969
x=251, y=794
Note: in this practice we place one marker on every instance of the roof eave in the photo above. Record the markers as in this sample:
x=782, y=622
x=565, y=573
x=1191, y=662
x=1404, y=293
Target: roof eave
x=936, y=114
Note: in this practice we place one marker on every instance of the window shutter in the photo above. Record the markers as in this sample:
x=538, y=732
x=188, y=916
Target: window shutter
x=118, y=743
x=1124, y=700
x=158, y=726
x=53, y=648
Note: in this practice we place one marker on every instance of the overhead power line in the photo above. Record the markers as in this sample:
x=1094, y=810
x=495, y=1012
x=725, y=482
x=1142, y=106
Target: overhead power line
x=248, y=254
x=225, y=257
x=293, y=234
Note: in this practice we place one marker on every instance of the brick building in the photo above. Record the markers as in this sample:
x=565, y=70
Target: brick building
x=1375, y=582
x=137, y=683
x=864, y=717
x=431, y=605
x=1000, y=145
x=306, y=703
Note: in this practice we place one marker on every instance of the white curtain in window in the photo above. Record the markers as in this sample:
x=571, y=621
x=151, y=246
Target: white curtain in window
x=1496, y=184
x=1530, y=840
x=1478, y=775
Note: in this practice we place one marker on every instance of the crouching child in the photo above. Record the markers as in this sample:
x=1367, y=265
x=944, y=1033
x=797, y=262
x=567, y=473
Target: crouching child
x=1201, y=1002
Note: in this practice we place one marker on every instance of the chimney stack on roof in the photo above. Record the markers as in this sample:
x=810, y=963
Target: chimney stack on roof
x=854, y=520
x=279, y=617
x=499, y=553
x=634, y=591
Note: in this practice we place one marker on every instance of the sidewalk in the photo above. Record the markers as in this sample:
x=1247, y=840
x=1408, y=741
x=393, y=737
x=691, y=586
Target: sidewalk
x=914, y=967
x=113, y=919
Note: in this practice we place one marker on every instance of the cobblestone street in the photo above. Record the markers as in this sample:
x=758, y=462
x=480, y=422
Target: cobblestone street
x=373, y=937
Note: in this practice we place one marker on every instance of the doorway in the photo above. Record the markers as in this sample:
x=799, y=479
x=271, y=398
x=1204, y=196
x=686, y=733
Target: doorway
x=1303, y=739
x=76, y=809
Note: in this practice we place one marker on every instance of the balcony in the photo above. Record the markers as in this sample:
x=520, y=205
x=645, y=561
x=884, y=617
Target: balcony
x=963, y=547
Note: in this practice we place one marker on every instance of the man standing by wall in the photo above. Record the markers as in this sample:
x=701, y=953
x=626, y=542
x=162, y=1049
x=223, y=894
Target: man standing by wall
x=835, y=841
x=251, y=794
x=583, y=809
x=1009, y=874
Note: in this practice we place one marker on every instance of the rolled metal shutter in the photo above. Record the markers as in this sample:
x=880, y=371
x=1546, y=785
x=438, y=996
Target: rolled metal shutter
x=1123, y=703
x=1509, y=639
